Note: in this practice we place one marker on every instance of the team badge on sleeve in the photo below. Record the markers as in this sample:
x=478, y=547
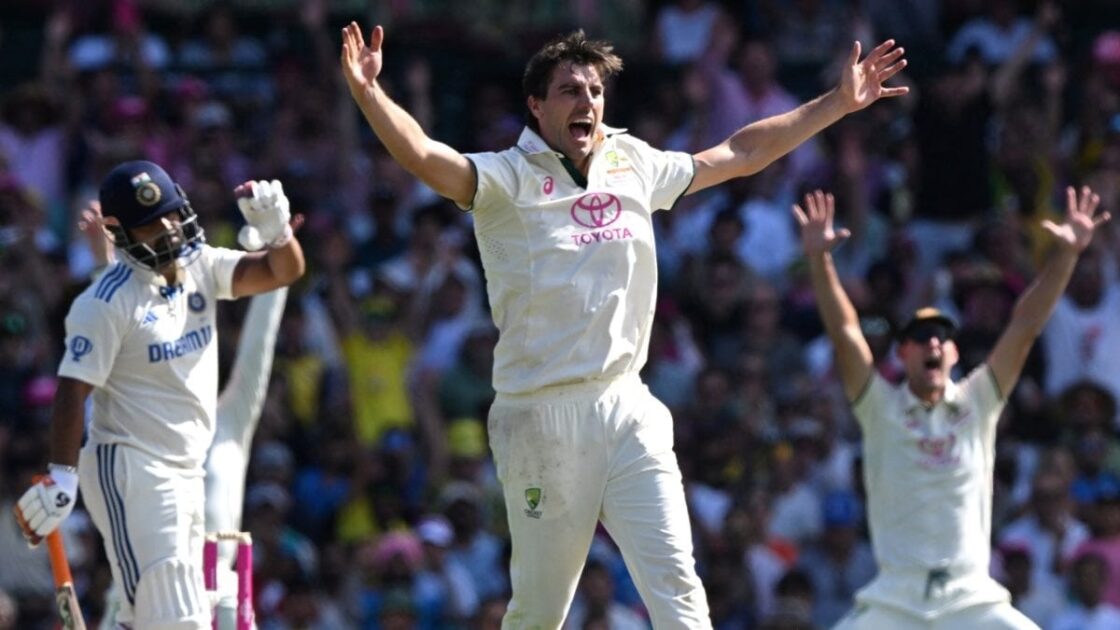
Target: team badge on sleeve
x=196, y=302
x=80, y=346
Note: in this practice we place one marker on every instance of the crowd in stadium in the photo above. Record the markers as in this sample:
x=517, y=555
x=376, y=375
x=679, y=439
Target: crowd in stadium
x=372, y=498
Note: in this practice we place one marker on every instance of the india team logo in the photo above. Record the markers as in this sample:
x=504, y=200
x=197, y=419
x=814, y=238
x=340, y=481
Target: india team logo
x=147, y=192
x=596, y=210
x=80, y=346
x=533, y=499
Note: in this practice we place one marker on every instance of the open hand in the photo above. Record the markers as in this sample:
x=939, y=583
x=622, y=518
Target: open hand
x=1076, y=232
x=361, y=64
x=861, y=82
x=817, y=233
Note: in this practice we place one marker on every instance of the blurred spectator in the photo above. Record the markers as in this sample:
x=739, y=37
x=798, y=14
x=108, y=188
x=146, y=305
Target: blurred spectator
x=119, y=38
x=951, y=183
x=841, y=562
x=34, y=148
x=763, y=96
x=465, y=389
x=807, y=34
x=444, y=581
x=595, y=606
x=1104, y=523
x=996, y=34
x=795, y=596
x=797, y=510
x=234, y=64
x=306, y=606
x=1039, y=601
x=473, y=547
x=683, y=29
x=1081, y=337
x=322, y=487
x=1086, y=610
x=1049, y=529
x=378, y=352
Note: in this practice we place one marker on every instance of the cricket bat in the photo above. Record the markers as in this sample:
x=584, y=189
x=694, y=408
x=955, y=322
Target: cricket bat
x=64, y=596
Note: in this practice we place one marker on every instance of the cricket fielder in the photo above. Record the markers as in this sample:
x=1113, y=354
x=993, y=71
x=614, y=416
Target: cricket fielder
x=929, y=442
x=564, y=226
x=142, y=339
x=239, y=410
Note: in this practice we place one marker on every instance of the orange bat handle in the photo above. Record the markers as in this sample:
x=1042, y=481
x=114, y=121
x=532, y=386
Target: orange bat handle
x=60, y=566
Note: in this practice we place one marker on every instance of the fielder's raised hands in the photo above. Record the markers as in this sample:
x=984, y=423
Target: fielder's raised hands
x=817, y=232
x=862, y=82
x=1076, y=232
x=361, y=63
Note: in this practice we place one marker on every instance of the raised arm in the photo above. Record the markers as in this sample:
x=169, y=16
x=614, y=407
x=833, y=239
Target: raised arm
x=853, y=356
x=1035, y=305
x=268, y=225
x=444, y=169
x=755, y=146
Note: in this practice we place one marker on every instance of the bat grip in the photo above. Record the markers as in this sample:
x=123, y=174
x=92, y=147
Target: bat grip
x=60, y=566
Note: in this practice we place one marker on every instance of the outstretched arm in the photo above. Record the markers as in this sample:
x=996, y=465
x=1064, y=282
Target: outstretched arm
x=853, y=355
x=1035, y=305
x=444, y=169
x=755, y=146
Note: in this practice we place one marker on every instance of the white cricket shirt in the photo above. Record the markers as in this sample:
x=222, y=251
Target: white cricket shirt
x=928, y=472
x=571, y=268
x=151, y=352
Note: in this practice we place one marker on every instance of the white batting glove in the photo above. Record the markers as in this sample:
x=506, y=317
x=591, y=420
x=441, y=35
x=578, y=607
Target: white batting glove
x=46, y=503
x=266, y=215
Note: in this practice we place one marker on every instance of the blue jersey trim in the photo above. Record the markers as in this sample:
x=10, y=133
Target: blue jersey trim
x=112, y=281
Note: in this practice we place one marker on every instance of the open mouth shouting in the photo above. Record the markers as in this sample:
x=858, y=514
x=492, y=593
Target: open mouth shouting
x=580, y=129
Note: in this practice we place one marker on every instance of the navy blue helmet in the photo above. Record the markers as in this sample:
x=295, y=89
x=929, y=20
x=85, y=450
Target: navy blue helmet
x=138, y=193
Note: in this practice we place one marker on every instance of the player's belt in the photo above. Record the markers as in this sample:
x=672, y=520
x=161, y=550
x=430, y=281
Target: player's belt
x=936, y=579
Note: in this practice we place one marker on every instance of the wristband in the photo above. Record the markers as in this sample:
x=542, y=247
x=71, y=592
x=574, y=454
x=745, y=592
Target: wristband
x=283, y=239
x=65, y=477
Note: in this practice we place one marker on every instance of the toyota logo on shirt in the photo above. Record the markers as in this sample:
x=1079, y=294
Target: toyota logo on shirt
x=596, y=210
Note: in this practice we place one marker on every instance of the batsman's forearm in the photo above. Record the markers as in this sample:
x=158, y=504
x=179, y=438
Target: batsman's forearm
x=286, y=262
x=68, y=421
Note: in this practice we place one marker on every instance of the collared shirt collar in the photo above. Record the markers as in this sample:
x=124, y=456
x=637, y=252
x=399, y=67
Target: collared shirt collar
x=951, y=398
x=153, y=277
x=532, y=143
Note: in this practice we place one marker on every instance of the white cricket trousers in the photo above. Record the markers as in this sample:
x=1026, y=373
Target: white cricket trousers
x=151, y=521
x=1001, y=616
x=569, y=457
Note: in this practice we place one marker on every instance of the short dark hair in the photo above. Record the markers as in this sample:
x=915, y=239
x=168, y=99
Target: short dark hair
x=573, y=47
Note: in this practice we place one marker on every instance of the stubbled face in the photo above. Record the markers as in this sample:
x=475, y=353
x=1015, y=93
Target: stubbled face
x=571, y=111
x=928, y=363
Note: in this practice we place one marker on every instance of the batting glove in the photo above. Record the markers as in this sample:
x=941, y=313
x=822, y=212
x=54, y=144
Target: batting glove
x=266, y=215
x=46, y=503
